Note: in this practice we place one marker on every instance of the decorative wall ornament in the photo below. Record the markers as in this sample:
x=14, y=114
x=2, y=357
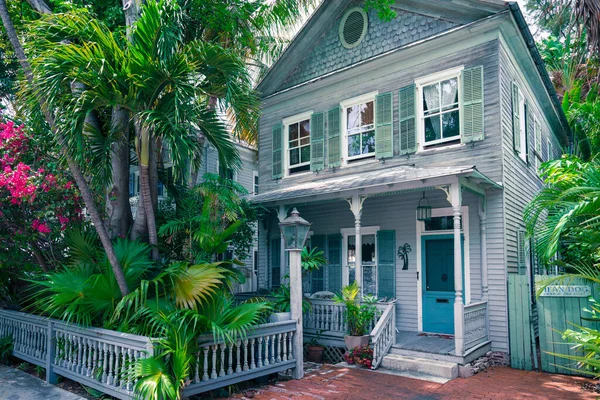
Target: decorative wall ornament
x=403, y=254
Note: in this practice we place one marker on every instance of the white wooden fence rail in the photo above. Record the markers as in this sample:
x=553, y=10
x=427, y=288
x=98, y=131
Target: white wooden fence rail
x=268, y=349
x=476, y=324
x=104, y=359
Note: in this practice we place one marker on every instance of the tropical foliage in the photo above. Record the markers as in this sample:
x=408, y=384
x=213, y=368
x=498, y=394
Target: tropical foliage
x=564, y=220
x=358, y=316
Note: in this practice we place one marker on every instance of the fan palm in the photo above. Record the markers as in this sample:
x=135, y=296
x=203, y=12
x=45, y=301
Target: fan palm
x=162, y=80
x=567, y=210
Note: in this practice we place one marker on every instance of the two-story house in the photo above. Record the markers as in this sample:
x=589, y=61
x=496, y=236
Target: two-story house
x=412, y=147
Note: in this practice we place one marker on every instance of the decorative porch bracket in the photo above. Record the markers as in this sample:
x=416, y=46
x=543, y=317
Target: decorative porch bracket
x=356, y=206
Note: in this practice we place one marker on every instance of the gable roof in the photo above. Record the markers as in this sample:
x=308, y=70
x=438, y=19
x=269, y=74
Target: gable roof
x=459, y=12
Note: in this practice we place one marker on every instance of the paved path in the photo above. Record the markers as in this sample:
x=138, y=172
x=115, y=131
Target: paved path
x=497, y=383
x=19, y=385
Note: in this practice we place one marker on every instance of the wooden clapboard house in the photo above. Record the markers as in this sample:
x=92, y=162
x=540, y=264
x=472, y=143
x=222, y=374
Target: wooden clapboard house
x=366, y=123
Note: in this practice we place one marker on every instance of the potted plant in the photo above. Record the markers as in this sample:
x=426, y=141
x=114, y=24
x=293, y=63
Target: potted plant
x=312, y=260
x=281, y=304
x=361, y=356
x=358, y=316
x=314, y=349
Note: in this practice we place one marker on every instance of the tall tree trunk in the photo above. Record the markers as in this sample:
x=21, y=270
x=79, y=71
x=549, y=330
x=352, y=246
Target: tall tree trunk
x=117, y=204
x=144, y=154
x=83, y=186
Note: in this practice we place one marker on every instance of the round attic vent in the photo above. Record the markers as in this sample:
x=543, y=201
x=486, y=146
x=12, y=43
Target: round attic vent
x=353, y=27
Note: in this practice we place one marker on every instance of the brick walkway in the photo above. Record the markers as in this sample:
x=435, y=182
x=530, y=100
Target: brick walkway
x=497, y=383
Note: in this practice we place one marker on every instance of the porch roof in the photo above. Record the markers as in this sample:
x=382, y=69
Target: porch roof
x=391, y=179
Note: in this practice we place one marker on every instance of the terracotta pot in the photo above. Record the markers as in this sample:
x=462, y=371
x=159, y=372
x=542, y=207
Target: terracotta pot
x=280, y=316
x=315, y=353
x=356, y=341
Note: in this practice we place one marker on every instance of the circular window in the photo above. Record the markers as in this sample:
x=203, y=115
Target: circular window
x=353, y=27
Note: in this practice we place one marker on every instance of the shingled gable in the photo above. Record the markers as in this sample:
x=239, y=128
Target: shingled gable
x=424, y=18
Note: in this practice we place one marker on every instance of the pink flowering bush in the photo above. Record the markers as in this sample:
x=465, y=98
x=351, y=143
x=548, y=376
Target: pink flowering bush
x=38, y=201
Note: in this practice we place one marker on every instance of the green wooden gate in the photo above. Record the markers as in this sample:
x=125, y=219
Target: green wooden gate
x=520, y=324
x=556, y=314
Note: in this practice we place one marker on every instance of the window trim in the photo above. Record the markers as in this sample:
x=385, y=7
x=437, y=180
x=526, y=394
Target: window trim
x=426, y=81
x=524, y=115
x=364, y=98
x=294, y=119
x=549, y=146
x=364, y=230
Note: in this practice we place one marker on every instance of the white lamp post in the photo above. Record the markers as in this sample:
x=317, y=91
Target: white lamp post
x=295, y=231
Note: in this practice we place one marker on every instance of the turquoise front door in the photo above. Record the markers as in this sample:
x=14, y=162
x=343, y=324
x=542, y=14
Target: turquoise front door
x=438, y=283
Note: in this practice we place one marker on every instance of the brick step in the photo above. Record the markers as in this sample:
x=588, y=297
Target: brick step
x=432, y=368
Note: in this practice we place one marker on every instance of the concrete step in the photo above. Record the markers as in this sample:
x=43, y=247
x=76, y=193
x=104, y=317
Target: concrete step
x=433, y=368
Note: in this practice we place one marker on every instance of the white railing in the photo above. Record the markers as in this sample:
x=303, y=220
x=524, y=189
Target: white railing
x=104, y=359
x=97, y=358
x=266, y=350
x=476, y=324
x=327, y=318
x=383, y=335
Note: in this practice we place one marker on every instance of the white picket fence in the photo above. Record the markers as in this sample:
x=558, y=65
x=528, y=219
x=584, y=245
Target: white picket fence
x=104, y=359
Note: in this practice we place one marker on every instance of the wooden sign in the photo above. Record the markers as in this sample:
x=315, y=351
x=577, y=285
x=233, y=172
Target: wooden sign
x=567, y=291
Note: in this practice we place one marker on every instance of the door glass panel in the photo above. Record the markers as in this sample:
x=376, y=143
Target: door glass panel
x=439, y=256
x=351, y=259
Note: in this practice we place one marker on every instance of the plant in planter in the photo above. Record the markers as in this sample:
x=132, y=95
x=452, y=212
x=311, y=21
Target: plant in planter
x=280, y=304
x=314, y=349
x=358, y=316
x=312, y=260
x=361, y=356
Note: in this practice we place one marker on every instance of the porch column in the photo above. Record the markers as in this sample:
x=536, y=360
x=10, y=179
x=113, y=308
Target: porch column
x=356, y=203
x=281, y=215
x=459, y=344
x=484, y=267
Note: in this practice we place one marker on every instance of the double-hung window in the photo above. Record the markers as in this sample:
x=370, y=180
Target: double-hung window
x=359, y=127
x=297, y=141
x=440, y=109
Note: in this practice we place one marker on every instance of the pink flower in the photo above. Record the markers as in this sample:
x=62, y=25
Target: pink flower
x=68, y=185
x=39, y=226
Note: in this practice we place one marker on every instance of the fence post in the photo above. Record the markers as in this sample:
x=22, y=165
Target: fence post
x=51, y=377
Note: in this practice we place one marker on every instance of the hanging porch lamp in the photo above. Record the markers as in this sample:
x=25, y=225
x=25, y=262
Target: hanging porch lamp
x=424, y=209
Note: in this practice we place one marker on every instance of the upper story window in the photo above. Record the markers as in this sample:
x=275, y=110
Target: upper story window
x=519, y=110
x=255, y=182
x=359, y=127
x=297, y=142
x=439, y=109
x=550, y=150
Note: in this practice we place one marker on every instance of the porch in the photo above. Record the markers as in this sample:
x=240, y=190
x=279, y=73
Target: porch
x=368, y=229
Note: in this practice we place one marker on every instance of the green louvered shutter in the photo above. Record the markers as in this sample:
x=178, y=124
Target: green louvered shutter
x=317, y=283
x=521, y=253
x=407, y=120
x=275, y=262
x=472, y=118
x=516, y=118
x=334, y=260
x=317, y=142
x=333, y=138
x=384, y=140
x=278, y=151
x=386, y=264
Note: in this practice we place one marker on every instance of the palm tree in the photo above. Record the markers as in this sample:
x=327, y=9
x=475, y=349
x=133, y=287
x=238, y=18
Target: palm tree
x=566, y=212
x=163, y=81
x=74, y=167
